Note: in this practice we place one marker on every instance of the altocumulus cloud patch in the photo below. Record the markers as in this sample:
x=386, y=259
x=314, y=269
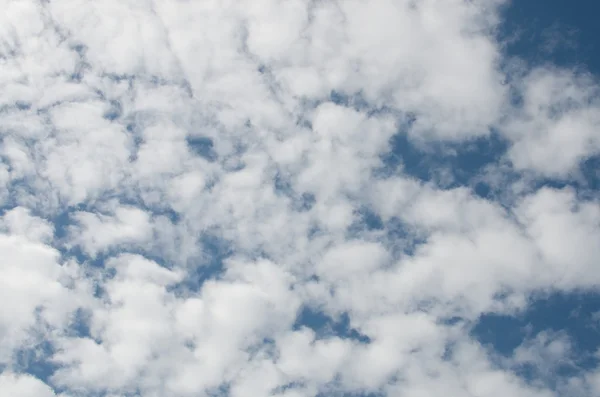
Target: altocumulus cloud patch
x=299, y=198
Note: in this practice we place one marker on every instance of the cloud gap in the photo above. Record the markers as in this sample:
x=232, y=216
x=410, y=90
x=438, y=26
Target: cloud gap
x=325, y=326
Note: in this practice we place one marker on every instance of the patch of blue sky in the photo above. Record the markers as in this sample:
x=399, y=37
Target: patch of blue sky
x=80, y=324
x=559, y=32
x=220, y=391
x=573, y=316
x=203, y=146
x=399, y=238
x=114, y=112
x=36, y=357
x=300, y=201
x=36, y=360
x=448, y=165
x=367, y=220
x=209, y=265
x=577, y=314
x=325, y=326
x=585, y=181
x=288, y=386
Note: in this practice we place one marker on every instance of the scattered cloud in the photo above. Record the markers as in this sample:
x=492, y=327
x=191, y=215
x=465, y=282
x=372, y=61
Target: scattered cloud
x=287, y=198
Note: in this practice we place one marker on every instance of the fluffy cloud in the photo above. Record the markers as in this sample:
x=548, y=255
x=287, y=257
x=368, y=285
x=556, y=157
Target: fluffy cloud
x=24, y=386
x=181, y=181
x=556, y=127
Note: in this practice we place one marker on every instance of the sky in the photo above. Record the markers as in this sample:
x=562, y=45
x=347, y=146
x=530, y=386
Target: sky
x=299, y=198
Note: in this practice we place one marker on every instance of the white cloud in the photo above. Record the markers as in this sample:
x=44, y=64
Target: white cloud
x=110, y=210
x=20, y=222
x=97, y=232
x=38, y=293
x=557, y=126
x=24, y=386
x=565, y=231
x=143, y=47
x=546, y=352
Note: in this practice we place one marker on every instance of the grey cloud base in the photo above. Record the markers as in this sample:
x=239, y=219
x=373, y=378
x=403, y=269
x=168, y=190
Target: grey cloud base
x=179, y=184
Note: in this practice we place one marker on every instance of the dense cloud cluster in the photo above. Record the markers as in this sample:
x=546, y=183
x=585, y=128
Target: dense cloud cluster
x=214, y=198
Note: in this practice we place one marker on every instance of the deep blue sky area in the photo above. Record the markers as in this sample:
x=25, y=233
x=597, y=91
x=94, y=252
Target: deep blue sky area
x=558, y=31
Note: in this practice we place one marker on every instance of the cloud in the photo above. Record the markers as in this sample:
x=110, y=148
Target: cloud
x=182, y=182
x=38, y=291
x=96, y=233
x=24, y=386
x=556, y=126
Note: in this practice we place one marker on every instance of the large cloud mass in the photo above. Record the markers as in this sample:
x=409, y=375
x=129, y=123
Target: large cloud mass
x=206, y=198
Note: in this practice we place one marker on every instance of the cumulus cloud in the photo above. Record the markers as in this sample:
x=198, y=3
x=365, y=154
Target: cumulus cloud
x=181, y=180
x=558, y=122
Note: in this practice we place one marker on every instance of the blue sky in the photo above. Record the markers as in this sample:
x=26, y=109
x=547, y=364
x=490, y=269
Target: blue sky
x=266, y=198
x=572, y=30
